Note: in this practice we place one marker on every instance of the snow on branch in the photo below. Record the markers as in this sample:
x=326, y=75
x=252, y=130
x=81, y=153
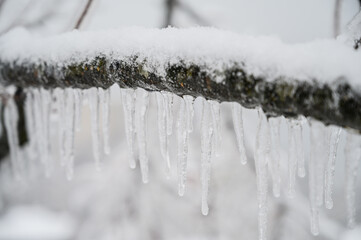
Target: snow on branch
x=318, y=79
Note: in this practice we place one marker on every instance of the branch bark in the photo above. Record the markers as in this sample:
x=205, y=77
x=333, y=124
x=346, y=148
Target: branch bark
x=337, y=103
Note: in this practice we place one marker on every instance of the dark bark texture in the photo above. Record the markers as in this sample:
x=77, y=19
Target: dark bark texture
x=336, y=103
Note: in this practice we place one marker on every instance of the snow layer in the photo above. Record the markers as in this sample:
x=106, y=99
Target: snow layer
x=267, y=56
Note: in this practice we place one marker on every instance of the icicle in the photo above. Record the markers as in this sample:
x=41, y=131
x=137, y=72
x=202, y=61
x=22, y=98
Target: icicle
x=316, y=172
x=59, y=95
x=38, y=122
x=42, y=103
x=162, y=129
x=140, y=128
x=104, y=97
x=296, y=160
x=11, y=118
x=128, y=98
x=182, y=138
x=70, y=112
x=94, y=111
x=334, y=137
x=275, y=151
x=238, y=128
x=207, y=132
x=292, y=158
x=189, y=111
x=216, y=122
x=30, y=124
x=46, y=105
x=261, y=156
x=352, y=154
x=78, y=108
x=299, y=149
x=168, y=105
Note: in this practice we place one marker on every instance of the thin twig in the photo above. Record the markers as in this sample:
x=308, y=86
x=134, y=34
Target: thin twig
x=84, y=13
x=2, y=3
x=186, y=8
x=169, y=10
x=336, y=18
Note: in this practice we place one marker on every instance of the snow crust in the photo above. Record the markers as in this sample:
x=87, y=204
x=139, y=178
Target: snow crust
x=266, y=56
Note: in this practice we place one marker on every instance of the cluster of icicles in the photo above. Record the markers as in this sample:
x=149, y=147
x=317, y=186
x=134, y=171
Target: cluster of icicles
x=68, y=103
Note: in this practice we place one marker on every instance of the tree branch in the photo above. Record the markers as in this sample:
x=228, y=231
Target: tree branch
x=337, y=104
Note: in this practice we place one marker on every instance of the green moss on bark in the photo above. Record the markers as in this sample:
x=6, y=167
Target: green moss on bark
x=336, y=104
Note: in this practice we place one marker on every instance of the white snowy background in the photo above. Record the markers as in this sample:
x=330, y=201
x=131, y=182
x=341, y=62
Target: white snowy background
x=114, y=203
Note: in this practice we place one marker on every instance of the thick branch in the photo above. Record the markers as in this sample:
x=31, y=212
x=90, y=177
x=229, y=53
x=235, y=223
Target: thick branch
x=336, y=104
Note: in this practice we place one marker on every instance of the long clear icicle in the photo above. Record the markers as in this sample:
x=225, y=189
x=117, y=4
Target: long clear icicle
x=94, y=111
x=262, y=156
x=70, y=113
x=11, y=118
x=274, y=124
x=41, y=107
x=295, y=155
x=182, y=139
x=238, y=128
x=128, y=99
x=334, y=138
x=45, y=107
x=190, y=111
x=104, y=98
x=162, y=130
x=316, y=172
x=38, y=122
x=141, y=106
x=216, y=122
x=301, y=171
x=78, y=107
x=59, y=95
x=30, y=124
x=207, y=132
x=168, y=105
x=352, y=154
x=292, y=161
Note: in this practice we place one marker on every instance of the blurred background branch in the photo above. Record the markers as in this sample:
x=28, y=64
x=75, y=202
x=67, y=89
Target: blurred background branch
x=83, y=14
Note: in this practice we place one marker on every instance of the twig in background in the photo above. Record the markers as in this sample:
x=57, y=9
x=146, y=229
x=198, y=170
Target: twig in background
x=83, y=14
